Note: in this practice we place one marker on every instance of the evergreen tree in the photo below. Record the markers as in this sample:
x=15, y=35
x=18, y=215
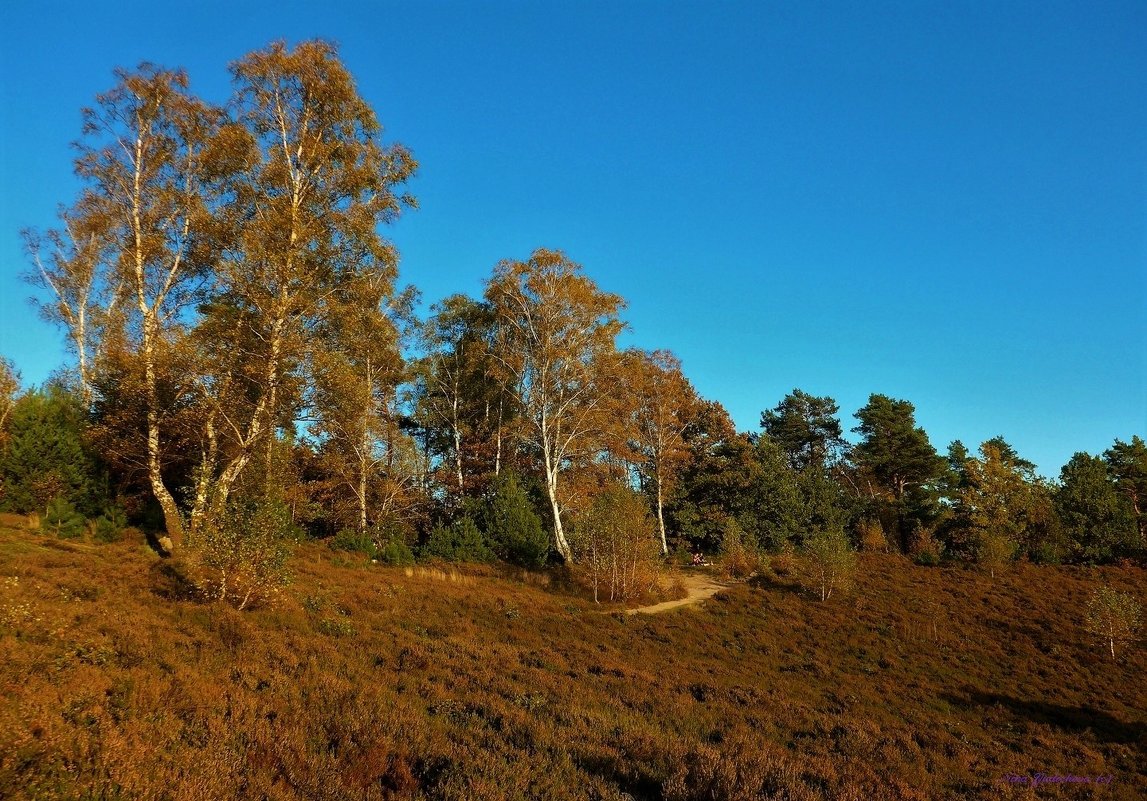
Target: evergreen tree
x=1098, y=520
x=806, y=428
x=45, y=456
x=900, y=467
x=513, y=529
x=1128, y=463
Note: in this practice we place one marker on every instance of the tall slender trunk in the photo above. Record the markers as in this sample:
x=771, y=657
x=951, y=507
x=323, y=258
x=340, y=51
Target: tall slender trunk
x=498, y=451
x=364, y=446
x=457, y=430
x=172, y=520
x=362, y=468
x=207, y=462
x=560, y=540
x=661, y=513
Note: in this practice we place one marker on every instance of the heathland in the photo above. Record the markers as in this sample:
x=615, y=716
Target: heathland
x=364, y=681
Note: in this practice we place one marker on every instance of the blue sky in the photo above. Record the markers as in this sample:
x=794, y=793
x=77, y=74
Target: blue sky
x=942, y=202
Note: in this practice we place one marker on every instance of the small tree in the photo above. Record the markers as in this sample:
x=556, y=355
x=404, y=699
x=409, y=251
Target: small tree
x=830, y=562
x=1113, y=616
x=512, y=527
x=995, y=551
x=738, y=555
x=243, y=556
x=616, y=542
x=62, y=519
x=460, y=541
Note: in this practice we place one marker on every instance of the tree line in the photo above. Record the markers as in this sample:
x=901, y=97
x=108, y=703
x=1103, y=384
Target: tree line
x=247, y=369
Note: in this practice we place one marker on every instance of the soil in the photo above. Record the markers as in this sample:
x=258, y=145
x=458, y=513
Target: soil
x=699, y=584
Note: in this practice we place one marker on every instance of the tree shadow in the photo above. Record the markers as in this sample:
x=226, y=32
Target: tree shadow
x=1106, y=727
x=775, y=583
x=169, y=582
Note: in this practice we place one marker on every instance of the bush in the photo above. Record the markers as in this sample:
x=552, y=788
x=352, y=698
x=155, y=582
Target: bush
x=785, y=562
x=109, y=526
x=928, y=558
x=242, y=558
x=871, y=535
x=460, y=541
x=62, y=520
x=926, y=549
x=352, y=541
x=829, y=562
x=1114, y=617
x=1047, y=553
x=396, y=553
x=513, y=529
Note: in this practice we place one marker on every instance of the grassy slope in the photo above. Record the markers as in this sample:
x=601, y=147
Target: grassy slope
x=369, y=683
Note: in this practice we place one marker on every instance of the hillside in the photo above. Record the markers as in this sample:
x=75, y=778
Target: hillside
x=368, y=682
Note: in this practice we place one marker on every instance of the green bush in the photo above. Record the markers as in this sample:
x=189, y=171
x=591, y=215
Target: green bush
x=927, y=558
x=109, y=526
x=396, y=553
x=62, y=520
x=1047, y=553
x=460, y=541
x=45, y=455
x=243, y=557
x=512, y=527
x=353, y=541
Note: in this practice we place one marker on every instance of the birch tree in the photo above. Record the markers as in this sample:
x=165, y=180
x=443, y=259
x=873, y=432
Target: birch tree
x=307, y=211
x=666, y=404
x=137, y=232
x=554, y=328
x=73, y=263
x=9, y=390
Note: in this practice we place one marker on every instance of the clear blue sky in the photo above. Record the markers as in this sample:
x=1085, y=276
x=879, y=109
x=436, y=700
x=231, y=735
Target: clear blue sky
x=943, y=202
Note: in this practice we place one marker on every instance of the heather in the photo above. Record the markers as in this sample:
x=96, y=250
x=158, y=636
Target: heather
x=365, y=681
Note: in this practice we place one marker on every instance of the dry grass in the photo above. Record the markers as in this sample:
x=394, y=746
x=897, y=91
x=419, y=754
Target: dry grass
x=369, y=683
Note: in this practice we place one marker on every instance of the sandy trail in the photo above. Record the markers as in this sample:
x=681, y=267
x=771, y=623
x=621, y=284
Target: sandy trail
x=700, y=585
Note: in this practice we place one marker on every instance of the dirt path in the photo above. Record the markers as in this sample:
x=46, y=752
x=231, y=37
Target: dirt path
x=700, y=585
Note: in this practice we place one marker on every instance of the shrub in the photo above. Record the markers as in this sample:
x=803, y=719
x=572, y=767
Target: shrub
x=785, y=562
x=927, y=558
x=1047, y=553
x=62, y=520
x=871, y=535
x=352, y=541
x=1114, y=617
x=396, y=553
x=513, y=529
x=615, y=542
x=926, y=549
x=829, y=562
x=738, y=558
x=460, y=541
x=243, y=556
x=109, y=526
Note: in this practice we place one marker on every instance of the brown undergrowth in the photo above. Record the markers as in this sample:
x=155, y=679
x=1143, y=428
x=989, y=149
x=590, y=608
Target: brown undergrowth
x=369, y=683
